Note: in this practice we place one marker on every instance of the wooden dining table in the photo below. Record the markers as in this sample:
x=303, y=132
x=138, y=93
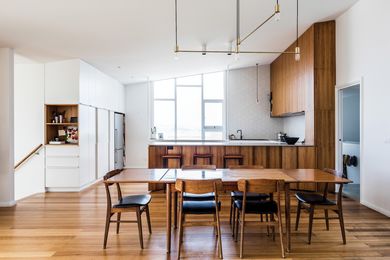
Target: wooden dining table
x=229, y=180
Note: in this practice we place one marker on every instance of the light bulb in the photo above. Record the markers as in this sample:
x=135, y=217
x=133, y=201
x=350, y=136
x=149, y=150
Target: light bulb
x=236, y=56
x=297, y=53
x=176, y=56
x=277, y=12
x=277, y=16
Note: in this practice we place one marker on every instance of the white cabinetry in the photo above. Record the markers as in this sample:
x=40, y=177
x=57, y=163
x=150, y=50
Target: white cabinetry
x=62, y=167
x=62, y=82
x=103, y=145
x=98, y=96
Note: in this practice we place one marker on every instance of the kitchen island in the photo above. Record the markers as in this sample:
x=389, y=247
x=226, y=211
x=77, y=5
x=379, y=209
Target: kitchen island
x=265, y=153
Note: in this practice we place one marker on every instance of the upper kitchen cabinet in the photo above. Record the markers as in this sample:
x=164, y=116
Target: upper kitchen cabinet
x=62, y=82
x=77, y=82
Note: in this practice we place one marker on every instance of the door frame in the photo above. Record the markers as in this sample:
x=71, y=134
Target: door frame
x=339, y=127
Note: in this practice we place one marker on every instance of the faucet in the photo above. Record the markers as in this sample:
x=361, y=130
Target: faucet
x=240, y=131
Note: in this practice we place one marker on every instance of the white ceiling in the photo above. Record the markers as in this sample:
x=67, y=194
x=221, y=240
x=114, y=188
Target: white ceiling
x=133, y=40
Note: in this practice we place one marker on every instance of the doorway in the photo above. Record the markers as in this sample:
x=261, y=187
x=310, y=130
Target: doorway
x=348, y=135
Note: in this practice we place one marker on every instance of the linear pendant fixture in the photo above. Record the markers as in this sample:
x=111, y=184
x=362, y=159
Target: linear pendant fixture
x=238, y=41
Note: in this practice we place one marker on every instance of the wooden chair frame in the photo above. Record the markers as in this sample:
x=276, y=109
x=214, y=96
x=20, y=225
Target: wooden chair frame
x=199, y=187
x=111, y=211
x=259, y=186
x=337, y=208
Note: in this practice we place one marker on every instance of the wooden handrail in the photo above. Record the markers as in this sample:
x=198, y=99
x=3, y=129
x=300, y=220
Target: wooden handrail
x=33, y=152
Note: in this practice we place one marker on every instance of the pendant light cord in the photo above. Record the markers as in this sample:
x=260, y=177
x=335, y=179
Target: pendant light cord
x=257, y=82
x=297, y=24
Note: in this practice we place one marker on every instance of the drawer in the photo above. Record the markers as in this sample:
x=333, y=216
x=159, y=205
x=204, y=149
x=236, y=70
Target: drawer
x=59, y=161
x=62, y=178
x=63, y=150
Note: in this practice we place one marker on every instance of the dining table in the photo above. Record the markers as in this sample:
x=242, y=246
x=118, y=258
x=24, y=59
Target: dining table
x=229, y=179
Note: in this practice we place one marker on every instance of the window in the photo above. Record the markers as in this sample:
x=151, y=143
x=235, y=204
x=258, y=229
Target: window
x=190, y=108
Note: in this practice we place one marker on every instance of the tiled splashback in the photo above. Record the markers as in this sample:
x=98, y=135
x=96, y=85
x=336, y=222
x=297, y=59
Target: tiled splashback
x=244, y=112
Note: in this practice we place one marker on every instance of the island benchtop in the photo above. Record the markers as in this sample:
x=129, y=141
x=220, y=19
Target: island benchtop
x=226, y=143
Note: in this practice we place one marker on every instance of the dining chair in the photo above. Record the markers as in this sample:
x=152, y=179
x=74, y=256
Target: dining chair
x=312, y=201
x=237, y=195
x=194, y=197
x=211, y=207
x=133, y=203
x=270, y=207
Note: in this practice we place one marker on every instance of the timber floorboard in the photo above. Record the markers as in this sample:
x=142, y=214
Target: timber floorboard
x=71, y=226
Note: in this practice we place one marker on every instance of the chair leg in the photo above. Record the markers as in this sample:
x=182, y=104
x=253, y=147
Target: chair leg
x=108, y=218
x=342, y=227
x=219, y=235
x=298, y=215
x=148, y=219
x=174, y=210
x=236, y=225
x=234, y=220
x=215, y=231
x=273, y=227
x=267, y=220
x=281, y=232
x=118, y=219
x=139, y=222
x=180, y=233
x=311, y=215
x=326, y=219
x=231, y=211
x=242, y=236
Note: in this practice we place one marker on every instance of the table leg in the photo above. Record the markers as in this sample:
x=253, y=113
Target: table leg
x=288, y=217
x=168, y=215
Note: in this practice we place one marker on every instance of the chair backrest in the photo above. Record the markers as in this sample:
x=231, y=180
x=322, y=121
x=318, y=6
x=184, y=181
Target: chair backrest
x=199, y=167
x=260, y=185
x=232, y=167
x=107, y=186
x=340, y=190
x=198, y=186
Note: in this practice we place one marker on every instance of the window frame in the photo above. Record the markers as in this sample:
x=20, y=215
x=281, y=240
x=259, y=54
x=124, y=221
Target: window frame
x=204, y=101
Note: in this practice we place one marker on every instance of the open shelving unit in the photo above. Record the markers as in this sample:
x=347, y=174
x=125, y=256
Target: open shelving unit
x=52, y=128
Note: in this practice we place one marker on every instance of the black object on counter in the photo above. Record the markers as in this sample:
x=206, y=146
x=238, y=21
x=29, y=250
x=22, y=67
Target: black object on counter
x=291, y=140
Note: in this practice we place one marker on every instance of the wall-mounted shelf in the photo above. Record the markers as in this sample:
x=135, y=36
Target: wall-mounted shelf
x=52, y=128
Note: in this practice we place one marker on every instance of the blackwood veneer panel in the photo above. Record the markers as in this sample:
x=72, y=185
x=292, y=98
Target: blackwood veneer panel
x=274, y=157
x=260, y=156
x=289, y=157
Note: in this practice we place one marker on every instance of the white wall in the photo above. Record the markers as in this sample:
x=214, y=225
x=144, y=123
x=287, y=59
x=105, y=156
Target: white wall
x=137, y=125
x=243, y=112
x=29, y=130
x=362, y=44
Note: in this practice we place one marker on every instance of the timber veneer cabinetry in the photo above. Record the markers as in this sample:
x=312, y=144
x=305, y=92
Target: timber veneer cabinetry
x=307, y=86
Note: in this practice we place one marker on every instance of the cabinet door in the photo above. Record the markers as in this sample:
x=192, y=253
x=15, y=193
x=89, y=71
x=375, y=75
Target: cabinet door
x=103, y=136
x=111, y=141
x=87, y=143
x=62, y=82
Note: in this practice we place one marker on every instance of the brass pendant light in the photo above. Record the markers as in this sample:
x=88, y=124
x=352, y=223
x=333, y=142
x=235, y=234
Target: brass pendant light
x=276, y=15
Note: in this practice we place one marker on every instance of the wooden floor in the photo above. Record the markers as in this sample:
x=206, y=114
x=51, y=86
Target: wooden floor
x=70, y=226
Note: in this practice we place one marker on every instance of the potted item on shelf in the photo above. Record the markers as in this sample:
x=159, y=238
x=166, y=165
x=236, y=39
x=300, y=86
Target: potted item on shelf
x=72, y=135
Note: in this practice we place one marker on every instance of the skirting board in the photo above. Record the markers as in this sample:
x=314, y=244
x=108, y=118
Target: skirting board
x=7, y=204
x=72, y=189
x=378, y=209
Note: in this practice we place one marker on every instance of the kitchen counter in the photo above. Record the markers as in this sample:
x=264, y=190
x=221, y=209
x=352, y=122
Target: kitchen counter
x=224, y=143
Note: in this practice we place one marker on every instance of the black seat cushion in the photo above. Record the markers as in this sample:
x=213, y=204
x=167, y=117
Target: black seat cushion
x=133, y=201
x=259, y=206
x=198, y=197
x=238, y=195
x=200, y=207
x=313, y=198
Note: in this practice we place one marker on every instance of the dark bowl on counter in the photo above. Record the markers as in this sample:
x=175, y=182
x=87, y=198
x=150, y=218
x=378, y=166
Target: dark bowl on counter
x=291, y=140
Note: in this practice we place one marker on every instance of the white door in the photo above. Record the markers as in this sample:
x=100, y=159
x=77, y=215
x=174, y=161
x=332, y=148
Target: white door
x=103, y=146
